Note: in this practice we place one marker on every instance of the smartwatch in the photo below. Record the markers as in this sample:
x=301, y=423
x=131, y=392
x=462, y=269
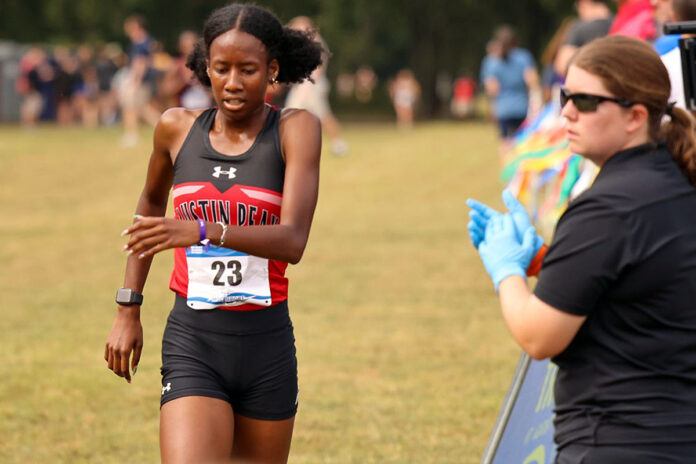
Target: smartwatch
x=128, y=296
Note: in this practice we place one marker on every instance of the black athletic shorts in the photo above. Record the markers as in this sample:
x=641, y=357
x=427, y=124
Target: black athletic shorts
x=246, y=358
x=509, y=126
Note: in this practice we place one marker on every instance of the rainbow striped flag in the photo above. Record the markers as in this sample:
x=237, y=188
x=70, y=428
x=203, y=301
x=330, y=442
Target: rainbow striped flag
x=540, y=169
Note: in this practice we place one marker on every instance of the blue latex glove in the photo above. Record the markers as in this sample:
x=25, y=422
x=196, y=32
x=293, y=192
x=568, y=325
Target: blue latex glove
x=502, y=253
x=480, y=214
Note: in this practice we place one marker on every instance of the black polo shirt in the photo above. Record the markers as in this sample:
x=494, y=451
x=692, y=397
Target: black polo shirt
x=624, y=255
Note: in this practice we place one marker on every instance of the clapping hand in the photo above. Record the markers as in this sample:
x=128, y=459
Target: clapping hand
x=480, y=215
x=502, y=253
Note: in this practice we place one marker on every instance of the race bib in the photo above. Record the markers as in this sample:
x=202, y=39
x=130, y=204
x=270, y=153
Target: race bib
x=223, y=277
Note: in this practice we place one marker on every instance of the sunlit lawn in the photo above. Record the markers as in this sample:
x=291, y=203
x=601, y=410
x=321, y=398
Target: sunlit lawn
x=403, y=355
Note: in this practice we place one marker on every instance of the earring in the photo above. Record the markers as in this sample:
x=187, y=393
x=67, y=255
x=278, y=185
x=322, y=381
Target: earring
x=274, y=80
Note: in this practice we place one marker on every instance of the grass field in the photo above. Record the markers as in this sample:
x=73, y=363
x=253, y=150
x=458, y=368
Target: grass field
x=403, y=354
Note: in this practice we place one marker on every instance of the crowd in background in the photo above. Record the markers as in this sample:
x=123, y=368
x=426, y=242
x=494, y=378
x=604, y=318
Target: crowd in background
x=105, y=84
x=68, y=86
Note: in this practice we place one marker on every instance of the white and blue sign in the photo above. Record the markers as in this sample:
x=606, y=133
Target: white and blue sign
x=523, y=433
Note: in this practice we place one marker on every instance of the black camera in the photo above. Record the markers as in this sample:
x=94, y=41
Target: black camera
x=687, y=47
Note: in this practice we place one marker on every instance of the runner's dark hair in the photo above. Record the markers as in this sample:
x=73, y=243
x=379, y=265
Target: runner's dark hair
x=297, y=52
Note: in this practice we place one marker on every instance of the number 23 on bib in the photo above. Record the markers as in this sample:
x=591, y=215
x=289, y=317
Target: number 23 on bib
x=223, y=277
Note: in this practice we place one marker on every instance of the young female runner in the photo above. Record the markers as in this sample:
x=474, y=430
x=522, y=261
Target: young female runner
x=245, y=179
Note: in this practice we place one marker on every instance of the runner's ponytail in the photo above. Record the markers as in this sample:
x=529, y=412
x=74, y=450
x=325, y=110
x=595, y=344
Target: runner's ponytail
x=299, y=55
x=196, y=63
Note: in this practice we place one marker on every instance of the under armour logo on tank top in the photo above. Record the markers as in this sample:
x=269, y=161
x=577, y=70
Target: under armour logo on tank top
x=218, y=171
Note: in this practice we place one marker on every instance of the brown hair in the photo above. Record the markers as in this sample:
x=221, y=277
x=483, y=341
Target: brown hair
x=551, y=50
x=632, y=70
x=684, y=10
x=507, y=37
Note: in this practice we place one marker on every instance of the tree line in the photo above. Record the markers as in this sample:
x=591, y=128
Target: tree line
x=428, y=36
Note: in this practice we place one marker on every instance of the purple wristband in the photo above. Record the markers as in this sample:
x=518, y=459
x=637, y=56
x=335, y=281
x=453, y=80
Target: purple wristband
x=201, y=230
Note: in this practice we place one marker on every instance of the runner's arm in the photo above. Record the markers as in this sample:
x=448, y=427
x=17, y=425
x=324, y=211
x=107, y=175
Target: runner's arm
x=126, y=335
x=300, y=138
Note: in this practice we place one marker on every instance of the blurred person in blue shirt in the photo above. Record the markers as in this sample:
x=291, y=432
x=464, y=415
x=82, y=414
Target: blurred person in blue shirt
x=510, y=78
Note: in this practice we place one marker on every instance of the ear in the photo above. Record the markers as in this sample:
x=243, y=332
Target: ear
x=273, y=69
x=637, y=118
x=207, y=66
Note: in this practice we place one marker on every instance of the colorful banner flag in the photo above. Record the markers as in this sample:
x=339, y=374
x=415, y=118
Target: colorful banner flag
x=540, y=169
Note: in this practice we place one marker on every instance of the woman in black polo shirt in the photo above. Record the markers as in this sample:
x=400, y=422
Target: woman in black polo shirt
x=615, y=303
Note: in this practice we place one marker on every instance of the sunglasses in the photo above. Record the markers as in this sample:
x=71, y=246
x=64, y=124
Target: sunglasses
x=587, y=103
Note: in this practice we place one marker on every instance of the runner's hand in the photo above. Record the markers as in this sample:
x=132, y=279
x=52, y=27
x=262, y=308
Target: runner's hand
x=150, y=235
x=126, y=337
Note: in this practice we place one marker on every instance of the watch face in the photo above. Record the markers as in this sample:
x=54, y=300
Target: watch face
x=123, y=295
x=128, y=296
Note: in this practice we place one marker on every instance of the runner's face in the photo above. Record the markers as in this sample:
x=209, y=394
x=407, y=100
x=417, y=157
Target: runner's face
x=239, y=73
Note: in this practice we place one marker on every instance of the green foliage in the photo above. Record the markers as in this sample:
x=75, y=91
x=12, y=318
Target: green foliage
x=429, y=36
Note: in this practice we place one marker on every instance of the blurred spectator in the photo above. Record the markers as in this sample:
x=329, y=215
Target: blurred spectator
x=667, y=46
x=365, y=83
x=179, y=86
x=550, y=78
x=634, y=18
x=108, y=59
x=87, y=93
x=405, y=92
x=68, y=81
x=43, y=79
x=314, y=96
x=161, y=63
x=161, y=60
x=594, y=21
x=28, y=87
x=662, y=11
x=136, y=85
x=462, y=104
x=493, y=52
x=512, y=81
x=443, y=91
x=345, y=85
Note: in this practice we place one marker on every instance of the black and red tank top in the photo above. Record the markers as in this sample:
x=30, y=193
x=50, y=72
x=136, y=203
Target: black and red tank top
x=243, y=190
